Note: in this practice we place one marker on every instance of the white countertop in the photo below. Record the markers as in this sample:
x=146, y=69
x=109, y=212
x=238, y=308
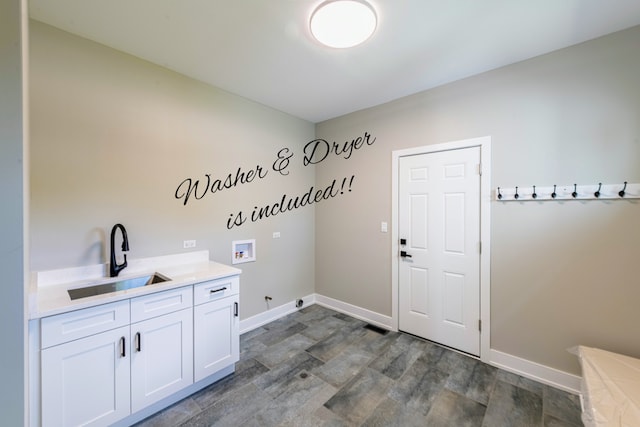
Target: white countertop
x=48, y=292
x=610, y=388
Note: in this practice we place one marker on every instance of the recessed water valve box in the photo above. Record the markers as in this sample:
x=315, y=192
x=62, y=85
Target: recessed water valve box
x=243, y=251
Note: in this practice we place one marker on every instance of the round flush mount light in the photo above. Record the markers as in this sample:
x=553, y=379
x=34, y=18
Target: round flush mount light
x=343, y=23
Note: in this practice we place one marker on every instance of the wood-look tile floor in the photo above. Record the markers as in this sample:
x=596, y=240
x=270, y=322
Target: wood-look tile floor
x=317, y=367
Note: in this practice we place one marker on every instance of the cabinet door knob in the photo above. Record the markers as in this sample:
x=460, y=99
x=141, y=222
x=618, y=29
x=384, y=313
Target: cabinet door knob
x=122, y=348
x=138, y=342
x=213, y=291
x=235, y=309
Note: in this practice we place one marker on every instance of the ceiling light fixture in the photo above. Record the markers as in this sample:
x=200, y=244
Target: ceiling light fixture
x=343, y=23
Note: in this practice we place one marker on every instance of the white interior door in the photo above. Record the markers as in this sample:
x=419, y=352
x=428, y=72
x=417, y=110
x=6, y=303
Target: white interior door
x=439, y=266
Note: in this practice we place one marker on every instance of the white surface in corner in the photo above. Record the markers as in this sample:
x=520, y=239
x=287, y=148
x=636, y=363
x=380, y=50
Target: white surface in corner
x=610, y=387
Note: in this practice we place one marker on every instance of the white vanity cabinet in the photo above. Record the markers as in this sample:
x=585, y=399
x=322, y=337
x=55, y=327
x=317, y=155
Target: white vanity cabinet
x=216, y=326
x=161, y=345
x=119, y=362
x=85, y=366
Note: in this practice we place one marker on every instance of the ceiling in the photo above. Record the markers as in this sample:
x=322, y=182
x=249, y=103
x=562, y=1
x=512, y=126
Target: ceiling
x=263, y=50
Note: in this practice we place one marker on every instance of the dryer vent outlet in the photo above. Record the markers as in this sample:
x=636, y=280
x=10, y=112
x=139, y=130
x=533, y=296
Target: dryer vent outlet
x=299, y=303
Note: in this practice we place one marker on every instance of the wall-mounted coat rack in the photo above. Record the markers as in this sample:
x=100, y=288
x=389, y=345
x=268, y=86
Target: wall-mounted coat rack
x=598, y=191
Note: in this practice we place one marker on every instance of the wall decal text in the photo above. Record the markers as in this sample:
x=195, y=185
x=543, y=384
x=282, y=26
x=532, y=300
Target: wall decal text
x=289, y=203
x=188, y=186
x=317, y=150
x=314, y=152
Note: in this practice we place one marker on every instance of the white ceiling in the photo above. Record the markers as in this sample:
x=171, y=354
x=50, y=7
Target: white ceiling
x=262, y=49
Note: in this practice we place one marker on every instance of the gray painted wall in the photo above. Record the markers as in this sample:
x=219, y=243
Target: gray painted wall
x=112, y=138
x=12, y=249
x=562, y=273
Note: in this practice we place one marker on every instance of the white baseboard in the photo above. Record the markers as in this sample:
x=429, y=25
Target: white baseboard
x=535, y=371
x=275, y=313
x=526, y=368
x=368, y=316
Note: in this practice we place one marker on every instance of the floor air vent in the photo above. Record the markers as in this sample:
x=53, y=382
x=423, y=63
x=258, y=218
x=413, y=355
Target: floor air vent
x=375, y=328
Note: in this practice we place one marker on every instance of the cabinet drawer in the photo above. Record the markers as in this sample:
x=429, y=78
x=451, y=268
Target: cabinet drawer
x=215, y=289
x=149, y=306
x=82, y=323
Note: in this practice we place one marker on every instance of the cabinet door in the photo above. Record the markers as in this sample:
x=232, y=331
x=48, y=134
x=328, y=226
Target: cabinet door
x=216, y=336
x=161, y=357
x=86, y=382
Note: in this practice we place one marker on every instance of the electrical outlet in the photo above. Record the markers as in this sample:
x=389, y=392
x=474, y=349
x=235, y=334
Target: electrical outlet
x=189, y=244
x=276, y=234
x=383, y=227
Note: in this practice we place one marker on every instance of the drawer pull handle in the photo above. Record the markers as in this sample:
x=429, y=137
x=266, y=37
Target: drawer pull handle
x=122, y=348
x=213, y=291
x=235, y=309
x=138, y=341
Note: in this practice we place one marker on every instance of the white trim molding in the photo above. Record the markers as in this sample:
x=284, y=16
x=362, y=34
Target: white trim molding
x=363, y=314
x=275, y=313
x=535, y=371
x=485, y=229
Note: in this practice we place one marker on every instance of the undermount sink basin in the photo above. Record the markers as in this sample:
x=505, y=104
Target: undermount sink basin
x=118, y=285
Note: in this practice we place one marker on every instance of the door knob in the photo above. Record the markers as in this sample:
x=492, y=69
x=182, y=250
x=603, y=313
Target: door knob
x=404, y=254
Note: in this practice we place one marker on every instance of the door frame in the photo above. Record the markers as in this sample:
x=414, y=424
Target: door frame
x=485, y=229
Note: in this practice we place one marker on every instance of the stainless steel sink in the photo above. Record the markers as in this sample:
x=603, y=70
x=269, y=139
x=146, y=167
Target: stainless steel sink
x=118, y=285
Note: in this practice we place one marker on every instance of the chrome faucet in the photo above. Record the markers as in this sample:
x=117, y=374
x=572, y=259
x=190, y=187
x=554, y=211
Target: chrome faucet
x=114, y=268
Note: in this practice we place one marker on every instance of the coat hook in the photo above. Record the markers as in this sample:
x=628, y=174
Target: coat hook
x=575, y=191
x=499, y=194
x=597, y=193
x=621, y=192
x=553, y=195
x=534, y=195
x=516, y=196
